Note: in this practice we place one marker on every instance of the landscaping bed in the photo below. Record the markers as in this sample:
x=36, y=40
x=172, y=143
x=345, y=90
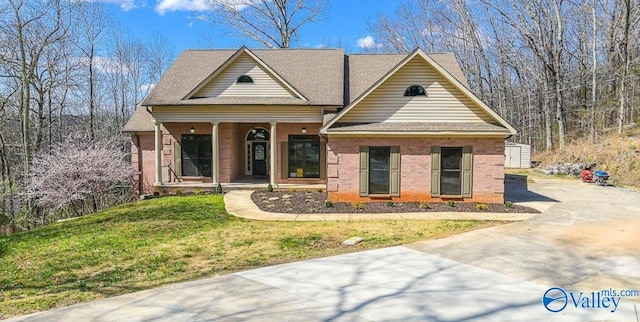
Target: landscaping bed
x=308, y=202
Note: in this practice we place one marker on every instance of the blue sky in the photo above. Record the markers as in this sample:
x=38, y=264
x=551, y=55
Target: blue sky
x=345, y=24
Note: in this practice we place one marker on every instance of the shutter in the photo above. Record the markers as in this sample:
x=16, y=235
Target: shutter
x=323, y=159
x=364, y=171
x=467, y=171
x=284, y=160
x=395, y=171
x=177, y=159
x=435, y=171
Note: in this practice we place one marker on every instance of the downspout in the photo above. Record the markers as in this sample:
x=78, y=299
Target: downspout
x=140, y=170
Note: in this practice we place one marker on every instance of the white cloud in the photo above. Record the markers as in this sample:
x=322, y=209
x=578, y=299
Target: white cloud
x=147, y=87
x=368, y=42
x=175, y=5
x=125, y=5
x=197, y=5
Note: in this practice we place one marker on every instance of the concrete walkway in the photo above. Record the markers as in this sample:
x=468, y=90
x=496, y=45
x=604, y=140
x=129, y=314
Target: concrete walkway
x=586, y=242
x=239, y=204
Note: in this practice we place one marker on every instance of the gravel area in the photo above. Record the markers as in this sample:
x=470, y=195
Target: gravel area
x=307, y=202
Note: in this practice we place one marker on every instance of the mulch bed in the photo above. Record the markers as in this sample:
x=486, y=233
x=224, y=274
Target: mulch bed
x=307, y=202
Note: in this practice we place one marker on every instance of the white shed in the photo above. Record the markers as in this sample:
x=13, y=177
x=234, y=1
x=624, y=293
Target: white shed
x=517, y=155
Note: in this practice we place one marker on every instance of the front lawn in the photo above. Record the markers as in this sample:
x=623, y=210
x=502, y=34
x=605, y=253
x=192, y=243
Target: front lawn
x=154, y=242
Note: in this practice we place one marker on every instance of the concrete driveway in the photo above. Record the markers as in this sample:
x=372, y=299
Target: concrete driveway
x=587, y=240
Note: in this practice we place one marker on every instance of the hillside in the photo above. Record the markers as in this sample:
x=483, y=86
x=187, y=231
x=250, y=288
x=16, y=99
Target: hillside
x=617, y=154
x=155, y=242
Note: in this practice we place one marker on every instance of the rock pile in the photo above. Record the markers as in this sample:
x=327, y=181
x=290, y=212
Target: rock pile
x=566, y=168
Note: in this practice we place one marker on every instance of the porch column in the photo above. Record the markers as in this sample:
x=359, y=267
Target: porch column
x=158, y=141
x=272, y=154
x=215, y=162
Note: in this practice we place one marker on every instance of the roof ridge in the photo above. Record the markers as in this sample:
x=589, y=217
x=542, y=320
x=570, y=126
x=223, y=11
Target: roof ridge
x=265, y=49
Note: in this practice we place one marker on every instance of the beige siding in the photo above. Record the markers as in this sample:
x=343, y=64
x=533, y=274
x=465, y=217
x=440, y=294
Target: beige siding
x=282, y=114
x=224, y=84
x=443, y=103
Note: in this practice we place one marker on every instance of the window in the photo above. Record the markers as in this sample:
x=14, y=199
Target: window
x=380, y=170
x=304, y=156
x=451, y=171
x=196, y=155
x=379, y=158
x=244, y=79
x=415, y=90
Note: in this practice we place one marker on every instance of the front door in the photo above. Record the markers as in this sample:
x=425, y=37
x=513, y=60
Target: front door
x=259, y=158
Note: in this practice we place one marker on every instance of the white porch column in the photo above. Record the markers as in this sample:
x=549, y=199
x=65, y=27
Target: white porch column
x=215, y=162
x=158, y=137
x=272, y=154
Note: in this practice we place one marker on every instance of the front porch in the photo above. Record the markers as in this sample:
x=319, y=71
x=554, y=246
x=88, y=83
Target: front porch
x=238, y=155
x=247, y=183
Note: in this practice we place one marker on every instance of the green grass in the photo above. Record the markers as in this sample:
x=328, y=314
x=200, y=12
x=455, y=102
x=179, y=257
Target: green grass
x=154, y=242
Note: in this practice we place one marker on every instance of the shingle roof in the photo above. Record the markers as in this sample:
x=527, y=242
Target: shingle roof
x=316, y=73
x=365, y=69
x=418, y=127
x=140, y=121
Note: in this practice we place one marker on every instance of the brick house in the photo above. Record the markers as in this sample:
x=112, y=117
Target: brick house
x=402, y=127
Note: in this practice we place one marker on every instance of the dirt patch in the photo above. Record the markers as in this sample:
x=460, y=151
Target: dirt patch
x=613, y=238
x=308, y=202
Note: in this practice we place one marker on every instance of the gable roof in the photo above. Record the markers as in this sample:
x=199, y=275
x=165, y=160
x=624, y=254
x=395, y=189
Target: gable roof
x=445, y=73
x=365, y=69
x=233, y=58
x=316, y=74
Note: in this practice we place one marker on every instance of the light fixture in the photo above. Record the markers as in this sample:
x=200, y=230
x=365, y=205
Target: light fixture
x=304, y=130
x=192, y=130
x=253, y=130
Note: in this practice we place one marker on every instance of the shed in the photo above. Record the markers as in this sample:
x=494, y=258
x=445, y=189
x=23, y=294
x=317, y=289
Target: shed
x=517, y=155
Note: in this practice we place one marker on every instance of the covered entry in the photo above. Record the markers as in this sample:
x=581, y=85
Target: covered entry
x=257, y=152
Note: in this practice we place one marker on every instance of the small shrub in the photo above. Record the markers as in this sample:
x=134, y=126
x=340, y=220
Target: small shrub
x=357, y=205
x=179, y=192
x=156, y=193
x=424, y=205
x=269, y=188
x=292, y=190
x=389, y=203
x=197, y=191
x=451, y=203
x=328, y=204
x=319, y=190
x=482, y=206
x=219, y=189
x=508, y=204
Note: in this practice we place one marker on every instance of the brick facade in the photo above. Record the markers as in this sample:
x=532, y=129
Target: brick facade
x=232, y=150
x=343, y=167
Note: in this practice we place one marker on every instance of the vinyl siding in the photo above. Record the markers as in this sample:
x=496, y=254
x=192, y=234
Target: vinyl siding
x=283, y=114
x=443, y=103
x=224, y=84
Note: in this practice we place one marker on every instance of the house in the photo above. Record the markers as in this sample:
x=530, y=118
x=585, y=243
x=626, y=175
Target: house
x=401, y=127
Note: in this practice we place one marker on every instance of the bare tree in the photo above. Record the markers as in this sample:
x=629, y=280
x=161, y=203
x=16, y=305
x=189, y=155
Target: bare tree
x=272, y=23
x=93, y=23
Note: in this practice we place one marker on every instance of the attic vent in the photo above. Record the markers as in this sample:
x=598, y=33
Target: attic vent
x=245, y=79
x=415, y=90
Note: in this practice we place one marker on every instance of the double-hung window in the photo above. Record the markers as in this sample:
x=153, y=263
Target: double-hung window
x=380, y=171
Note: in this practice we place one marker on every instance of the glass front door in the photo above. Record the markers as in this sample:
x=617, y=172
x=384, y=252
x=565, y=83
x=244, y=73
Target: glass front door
x=259, y=158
